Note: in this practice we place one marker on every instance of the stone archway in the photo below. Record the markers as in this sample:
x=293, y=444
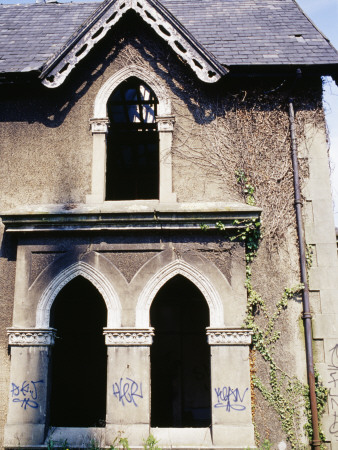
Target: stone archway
x=179, y=267
x=85, y=270
x=132, y=70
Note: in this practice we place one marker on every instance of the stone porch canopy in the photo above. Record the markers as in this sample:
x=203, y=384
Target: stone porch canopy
x=215, y=38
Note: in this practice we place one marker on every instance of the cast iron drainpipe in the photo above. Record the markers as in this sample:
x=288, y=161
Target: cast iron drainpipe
x=306, y=302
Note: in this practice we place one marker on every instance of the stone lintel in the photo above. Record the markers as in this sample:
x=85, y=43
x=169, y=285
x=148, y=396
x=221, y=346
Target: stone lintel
x=229, y=336
x=150, y=215
x=28, y=337
x=128, y=336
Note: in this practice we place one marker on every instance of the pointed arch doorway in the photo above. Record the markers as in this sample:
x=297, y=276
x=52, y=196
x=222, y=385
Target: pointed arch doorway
x=180, y=357
x=79, y=359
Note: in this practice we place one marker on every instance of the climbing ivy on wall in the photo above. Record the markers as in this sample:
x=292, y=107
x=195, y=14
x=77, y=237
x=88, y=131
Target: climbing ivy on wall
x=285, y=394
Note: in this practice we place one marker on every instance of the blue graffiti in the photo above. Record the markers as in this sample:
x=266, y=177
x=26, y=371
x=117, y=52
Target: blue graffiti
x=127, y=391
x=230, y=399
x=26, y=394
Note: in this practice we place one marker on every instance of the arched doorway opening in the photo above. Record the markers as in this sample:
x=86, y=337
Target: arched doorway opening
x=79, y=359
x=180, y=357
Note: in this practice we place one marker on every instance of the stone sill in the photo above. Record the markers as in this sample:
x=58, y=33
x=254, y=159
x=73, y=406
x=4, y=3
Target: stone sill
x=145, y=215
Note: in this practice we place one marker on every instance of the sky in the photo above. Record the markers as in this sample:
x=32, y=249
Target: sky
x=324, y=14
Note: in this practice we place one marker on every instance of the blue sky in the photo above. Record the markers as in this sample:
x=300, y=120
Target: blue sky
x=324, y=14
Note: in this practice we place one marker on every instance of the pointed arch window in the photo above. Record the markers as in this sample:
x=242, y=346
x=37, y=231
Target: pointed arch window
x=132, y=132
x=79, y=359
x=132, y=168
x=180, y=357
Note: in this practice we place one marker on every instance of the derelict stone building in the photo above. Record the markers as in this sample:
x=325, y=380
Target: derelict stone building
x=142, y=142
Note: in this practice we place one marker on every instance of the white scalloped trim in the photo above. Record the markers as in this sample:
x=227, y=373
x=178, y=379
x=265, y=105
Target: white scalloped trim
x=177, y=42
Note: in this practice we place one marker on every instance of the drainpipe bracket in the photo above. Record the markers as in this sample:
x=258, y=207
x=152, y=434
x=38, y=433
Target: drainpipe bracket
x=306, y=315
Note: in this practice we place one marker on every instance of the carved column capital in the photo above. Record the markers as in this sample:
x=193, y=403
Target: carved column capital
x=165, y=123
x=128, y=336
x=99, y=125
x=29, y=337
x=229, y=336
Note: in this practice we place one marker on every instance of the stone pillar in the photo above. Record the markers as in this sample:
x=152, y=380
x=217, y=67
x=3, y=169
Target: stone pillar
x=99, y=129
x=165, y=126
x=128, y=384
x=27, y=419
x=230, y=387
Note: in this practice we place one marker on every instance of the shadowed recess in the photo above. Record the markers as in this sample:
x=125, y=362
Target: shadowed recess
x=79, y=361
x=180, y=357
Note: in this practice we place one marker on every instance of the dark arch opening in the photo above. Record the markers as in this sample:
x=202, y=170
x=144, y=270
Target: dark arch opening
x=180, y=357
x=79, y=357
x=132, y=165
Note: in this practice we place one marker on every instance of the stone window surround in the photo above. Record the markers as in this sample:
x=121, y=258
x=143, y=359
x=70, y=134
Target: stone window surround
x=112, y=301
x=100, y=124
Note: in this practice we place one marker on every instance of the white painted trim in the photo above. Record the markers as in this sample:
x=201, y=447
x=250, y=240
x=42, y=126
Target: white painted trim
x=179, y=267
x=205, y=66
x=132, y=70
x=91, y=274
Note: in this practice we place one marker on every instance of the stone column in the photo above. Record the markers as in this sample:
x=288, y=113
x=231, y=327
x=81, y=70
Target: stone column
x=27, y=418
x=99, y=129
x=165, y=126
x=230, y=387
x=128, y=384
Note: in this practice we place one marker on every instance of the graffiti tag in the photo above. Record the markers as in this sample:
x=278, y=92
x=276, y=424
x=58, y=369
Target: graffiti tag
x=230, y=399
x=333, y=393
x=26, y=394
x=127, y=390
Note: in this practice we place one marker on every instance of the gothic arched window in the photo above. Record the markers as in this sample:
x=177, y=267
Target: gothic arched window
x=79, y=359
x=180, y=357
x=132, y=166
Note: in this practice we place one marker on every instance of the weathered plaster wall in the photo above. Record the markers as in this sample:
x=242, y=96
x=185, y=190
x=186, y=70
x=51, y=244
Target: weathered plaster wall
x=48, y=130
x=323, y=275
x=46, y=158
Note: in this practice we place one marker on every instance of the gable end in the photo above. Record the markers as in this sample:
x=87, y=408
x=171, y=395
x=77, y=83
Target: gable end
x=206, y=67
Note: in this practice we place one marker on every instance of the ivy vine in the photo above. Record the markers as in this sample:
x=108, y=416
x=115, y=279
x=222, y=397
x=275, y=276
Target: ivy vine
x=285, y=394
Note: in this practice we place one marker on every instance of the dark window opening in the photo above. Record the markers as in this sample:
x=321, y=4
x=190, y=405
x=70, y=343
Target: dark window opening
x=132, y=170
x=79, y=357
x=180, y=357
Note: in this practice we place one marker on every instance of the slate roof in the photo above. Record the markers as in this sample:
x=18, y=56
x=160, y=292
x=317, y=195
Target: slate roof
x=31, y=34
x=236, y=32
x=250, y=32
